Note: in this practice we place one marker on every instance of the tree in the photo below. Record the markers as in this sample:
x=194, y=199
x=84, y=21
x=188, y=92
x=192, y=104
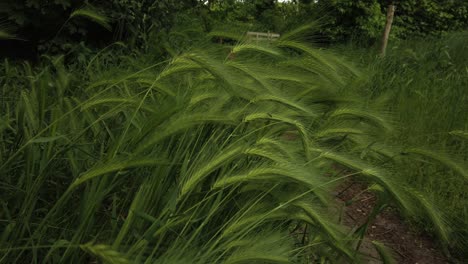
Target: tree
x=366, y=18
x=388, y=26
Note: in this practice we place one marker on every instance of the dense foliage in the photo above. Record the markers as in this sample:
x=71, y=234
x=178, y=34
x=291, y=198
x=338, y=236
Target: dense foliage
x=363, y=20
x=424, y=83
x=155, y=131
x=186, y=157
x=52, y=27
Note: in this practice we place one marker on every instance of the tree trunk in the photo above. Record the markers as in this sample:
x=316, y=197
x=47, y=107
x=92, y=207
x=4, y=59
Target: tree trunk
x=388, y=26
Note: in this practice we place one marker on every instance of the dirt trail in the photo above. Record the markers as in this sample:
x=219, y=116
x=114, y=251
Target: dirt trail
x=408, y=246
x=388, y=228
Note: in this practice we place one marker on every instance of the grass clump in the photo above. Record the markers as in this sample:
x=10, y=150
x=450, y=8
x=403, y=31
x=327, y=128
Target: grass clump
x=423, y=82
x=186, y=160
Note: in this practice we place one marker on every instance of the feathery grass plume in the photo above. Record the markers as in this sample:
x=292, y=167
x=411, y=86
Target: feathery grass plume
x=233, y=34
x=286, y=102
x=263, y=250
x=187, y=160
x=116, y=166
x=225, y=157
x=302, y=32
x=179, y=64
x=459, y=133
x=313, y=53
x=375, y=174
x=339, y=131
x=386, y=255
x=423, y=83
x=371, y=117
x=105, y=253
x=429, y=209
x=267, y=173
x=5, y=35
x=92, y=14
x=448, y=161
x=7, y=31
x=255, y=48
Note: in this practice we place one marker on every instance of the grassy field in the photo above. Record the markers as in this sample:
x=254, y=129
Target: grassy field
x=186, y=160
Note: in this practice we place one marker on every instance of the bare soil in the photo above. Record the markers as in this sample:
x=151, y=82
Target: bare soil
x=408, y=246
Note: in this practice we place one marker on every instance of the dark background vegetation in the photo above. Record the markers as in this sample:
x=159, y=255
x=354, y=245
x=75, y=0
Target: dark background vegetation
x=44, y=26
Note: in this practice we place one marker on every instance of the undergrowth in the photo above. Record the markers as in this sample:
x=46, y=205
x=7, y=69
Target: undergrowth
x=424, y=83
x=188, y=160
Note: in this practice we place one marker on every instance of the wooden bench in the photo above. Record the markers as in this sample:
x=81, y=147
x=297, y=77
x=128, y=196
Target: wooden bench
x=260, y=36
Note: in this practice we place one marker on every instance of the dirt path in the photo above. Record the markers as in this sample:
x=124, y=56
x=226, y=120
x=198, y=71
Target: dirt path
x=388, y=228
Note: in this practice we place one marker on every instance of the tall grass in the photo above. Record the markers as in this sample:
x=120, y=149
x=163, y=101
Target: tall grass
x=424, y=82
x=187, y=160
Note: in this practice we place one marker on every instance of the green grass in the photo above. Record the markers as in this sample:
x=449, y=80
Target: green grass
x=424, y=83
x=185, y=160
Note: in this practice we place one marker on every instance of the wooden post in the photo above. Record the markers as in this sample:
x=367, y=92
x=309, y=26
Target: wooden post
x=388, y=26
